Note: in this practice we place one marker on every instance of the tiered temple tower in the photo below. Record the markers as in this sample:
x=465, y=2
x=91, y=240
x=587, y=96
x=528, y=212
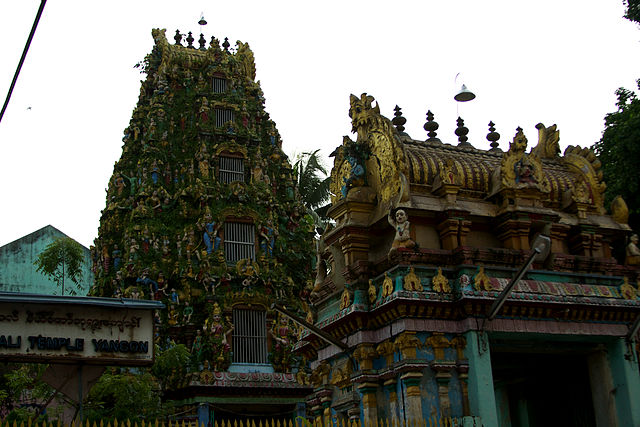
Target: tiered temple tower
x=202, y=213
x=428, y=235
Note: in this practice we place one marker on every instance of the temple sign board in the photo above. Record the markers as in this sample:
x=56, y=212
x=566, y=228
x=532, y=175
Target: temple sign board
x=86, y=330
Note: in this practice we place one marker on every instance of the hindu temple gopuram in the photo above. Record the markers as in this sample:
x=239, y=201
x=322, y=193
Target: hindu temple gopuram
x=428, y=235
x=202, y=213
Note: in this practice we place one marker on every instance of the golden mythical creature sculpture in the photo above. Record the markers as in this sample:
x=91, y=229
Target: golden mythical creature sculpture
x=518, y=169
x=384, y=165
x=548, y=142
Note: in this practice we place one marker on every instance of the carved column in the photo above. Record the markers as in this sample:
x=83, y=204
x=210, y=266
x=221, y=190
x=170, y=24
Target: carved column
x=407, y=344
x=391, y=387
x=442, y=369
x=386, y=350
x=364, y=355
x=514, y=233
x=462, y=366
x=325, y=397
x=558, y=236
x=413, y=402
x=453, y=229
x=586, y=242
x=369, y=403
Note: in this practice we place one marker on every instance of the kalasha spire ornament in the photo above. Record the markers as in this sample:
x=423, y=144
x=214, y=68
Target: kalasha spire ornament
x=431, y=126
x=493, y=138
x=462, y=132
x=398, y=120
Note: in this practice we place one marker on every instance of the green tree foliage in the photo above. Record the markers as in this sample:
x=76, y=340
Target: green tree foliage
x=124, y=394
x=62, y=259
x=633, y=10
x=619, y=152
x=312, y=182
x=171, y=364
x=22, y=392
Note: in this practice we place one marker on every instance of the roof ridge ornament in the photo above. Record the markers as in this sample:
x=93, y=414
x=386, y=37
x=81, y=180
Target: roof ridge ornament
x=493, y=138
x=431, y=126
x=398, y=120
x=462, y=132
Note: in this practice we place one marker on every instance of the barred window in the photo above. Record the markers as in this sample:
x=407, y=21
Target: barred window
x=219, y=85
x=239, y=241
x=231, y=169
x=223, y=116
x=249, y=336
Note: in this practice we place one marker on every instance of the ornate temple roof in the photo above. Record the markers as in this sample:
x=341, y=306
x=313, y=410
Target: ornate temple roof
x=401, y=169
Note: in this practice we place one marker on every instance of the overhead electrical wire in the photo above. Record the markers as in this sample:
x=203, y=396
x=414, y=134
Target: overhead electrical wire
x=24, y=55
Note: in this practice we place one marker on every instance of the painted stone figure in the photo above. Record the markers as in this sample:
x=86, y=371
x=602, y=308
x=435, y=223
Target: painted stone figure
x=400, y=222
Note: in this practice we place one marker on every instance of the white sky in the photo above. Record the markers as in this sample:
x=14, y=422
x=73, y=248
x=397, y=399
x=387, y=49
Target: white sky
x=544, y=61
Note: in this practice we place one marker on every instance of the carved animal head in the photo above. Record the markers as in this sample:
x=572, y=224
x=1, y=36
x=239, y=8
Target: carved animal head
x=362, y=112
x=519, y=144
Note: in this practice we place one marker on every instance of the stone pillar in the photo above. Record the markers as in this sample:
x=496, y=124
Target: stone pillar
x=514, y=233
x=391, y=386
x=203, y=415
x=369, y=403
x=453, y=229
x=462, y=366
x=482, y=400
x=602, y=391
x=626, y=382
x=413, y=401
x=443, y=376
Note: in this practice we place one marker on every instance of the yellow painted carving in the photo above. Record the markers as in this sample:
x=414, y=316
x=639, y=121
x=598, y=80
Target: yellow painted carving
x=438, y=342
x=521, y=170
x=373, y=293
x=412, y=282
x=386, y=350
x=440, y=283
x=345, y=299
x=619, y=210
x=407, y=344
x=548, y=142
x=341, y=374
x=481, y=281
x=364, y=355
x=628, y=291
x=387, y=167
x=584, y=163
x=387, y=286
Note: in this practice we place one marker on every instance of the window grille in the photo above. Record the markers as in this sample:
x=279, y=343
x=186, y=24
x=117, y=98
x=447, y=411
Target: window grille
x=239, y=241
x=231, y=169
x=219, y=85
x=249, y=336
x=223, y=116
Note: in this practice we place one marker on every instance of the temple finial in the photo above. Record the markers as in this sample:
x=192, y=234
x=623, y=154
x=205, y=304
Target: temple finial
x=398, y=121
x=462, y=132
x=431, y=126
x=178, y=38
x=190, y=40
x=493, y=138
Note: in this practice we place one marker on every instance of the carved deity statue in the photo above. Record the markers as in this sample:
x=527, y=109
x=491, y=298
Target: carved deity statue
x=400, y=222
x=633, y=252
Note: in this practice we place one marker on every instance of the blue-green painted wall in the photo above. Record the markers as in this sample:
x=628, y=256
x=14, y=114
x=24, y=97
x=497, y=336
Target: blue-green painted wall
x=18, y=274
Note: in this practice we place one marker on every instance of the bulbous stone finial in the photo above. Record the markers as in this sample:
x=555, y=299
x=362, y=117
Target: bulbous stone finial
x=202, y=42
x=398, y=121
x=190, y=40
x=431, y=126
x=493, y=138
x=178, y=38
x=462, y=132
x=226, y=44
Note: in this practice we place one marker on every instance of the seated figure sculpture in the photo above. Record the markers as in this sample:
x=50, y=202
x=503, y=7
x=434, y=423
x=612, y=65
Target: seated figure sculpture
x=633, y=253
x=400, y=222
